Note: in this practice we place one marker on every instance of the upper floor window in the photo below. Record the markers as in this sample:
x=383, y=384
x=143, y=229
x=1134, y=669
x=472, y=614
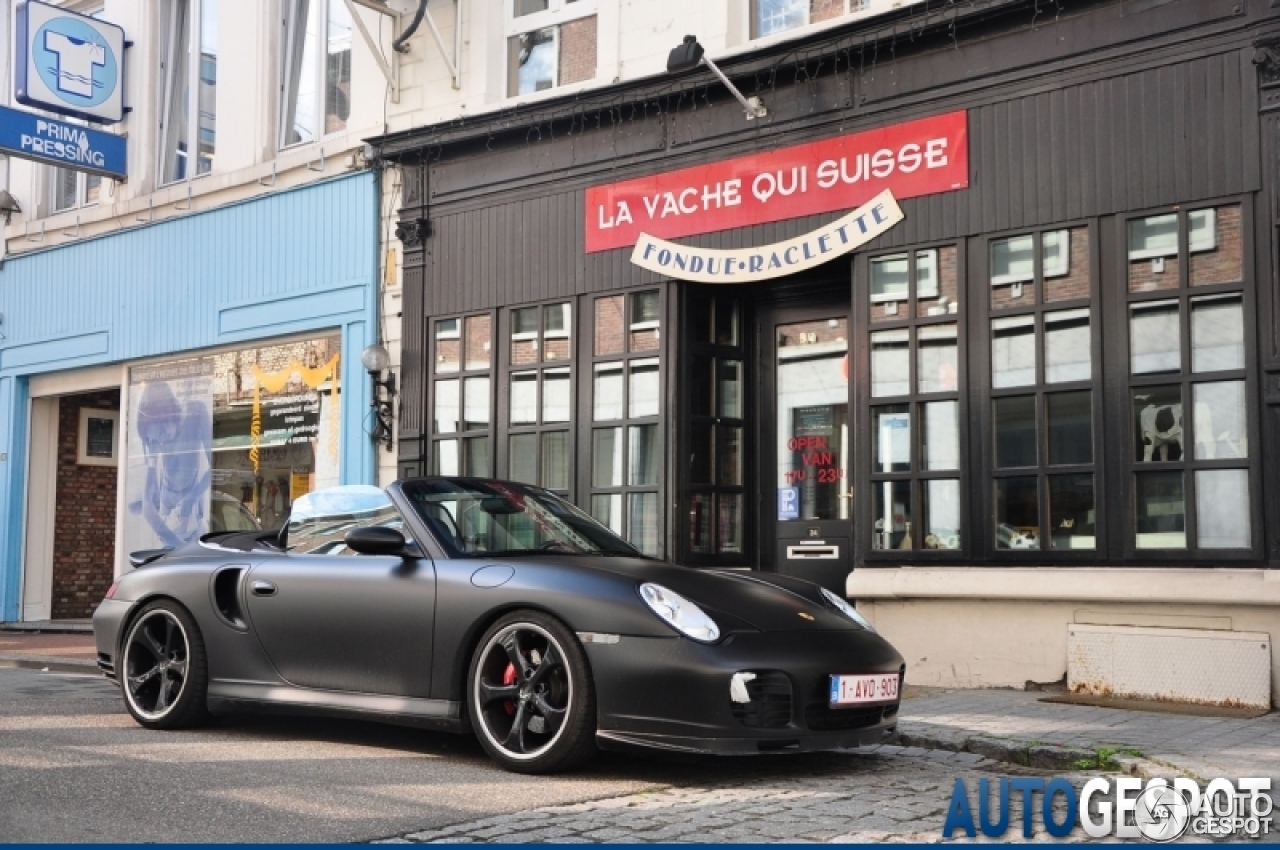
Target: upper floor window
x=315, y=75
x=550, y=43
x=188, y=112
x=73, y=189
x=770, y=17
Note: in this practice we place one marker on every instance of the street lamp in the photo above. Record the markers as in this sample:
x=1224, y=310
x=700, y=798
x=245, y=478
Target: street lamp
x=689, y=54
x=375, y=360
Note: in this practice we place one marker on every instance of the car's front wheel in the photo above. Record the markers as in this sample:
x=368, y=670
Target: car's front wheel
x=530, y=695
x=163, y=670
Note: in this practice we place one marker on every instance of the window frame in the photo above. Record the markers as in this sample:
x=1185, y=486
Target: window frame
x=850, y=7
x=169, y=56
x=289, y=34
x=557, y=14
x=491, y=371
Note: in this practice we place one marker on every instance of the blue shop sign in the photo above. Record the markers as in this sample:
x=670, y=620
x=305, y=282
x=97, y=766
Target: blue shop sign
x=69, y=63
x=49, y=140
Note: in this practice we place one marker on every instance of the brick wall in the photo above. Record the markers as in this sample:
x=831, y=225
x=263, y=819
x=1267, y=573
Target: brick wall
x=1224, y=264
x=578, y=51
x=85, y=516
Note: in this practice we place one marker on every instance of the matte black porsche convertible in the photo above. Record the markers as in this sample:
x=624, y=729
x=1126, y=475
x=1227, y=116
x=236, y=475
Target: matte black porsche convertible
x=472, y=605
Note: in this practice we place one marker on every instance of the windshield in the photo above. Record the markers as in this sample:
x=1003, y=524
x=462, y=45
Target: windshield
x=476, y=518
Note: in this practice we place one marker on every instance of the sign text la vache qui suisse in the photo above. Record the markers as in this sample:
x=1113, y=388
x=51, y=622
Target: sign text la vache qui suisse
x=869, y=168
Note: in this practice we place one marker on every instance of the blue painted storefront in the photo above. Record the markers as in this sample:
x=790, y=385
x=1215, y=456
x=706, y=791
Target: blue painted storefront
x=292, y=262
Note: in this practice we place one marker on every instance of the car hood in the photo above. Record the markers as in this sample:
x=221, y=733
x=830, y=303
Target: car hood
x=762, y=601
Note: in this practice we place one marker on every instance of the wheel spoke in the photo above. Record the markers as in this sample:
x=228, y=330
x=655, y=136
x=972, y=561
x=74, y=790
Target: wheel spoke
x=168, y=636
x=136, y=682
x=492, y=693
x=162, y=699
x=515, y=738
x=554, y=716
x=178, y=668
x=512, y=646
x=551, y=661
x=143, y=637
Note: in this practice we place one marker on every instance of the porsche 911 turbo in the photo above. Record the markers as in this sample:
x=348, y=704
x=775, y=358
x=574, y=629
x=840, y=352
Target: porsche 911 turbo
x=495, y=608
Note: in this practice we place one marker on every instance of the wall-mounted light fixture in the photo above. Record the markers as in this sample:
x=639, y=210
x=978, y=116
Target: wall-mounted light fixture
x=8, y=206
x=689, y=53
x=375, y=360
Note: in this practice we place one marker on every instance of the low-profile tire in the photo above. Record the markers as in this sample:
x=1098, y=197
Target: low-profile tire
x=530, y=697
x=164, y=672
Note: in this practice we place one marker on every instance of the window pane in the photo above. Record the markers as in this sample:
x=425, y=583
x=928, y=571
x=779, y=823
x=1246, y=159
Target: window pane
x=1153, y=253
x=524, y=398
x=1017, y=513
x=66, y=185
x=476, y=457
x=555, y=395
x=175, y=129
x=301, y=100
x=701, y=466
x=890, y=363
x=699, y=316
x=890, y=278
x=644, y=457
x=728, y=455
x=1013, y=260
x=936, y=358
x=528, y=7
x=1217, y=334
x=775, y=16
x=1067, y=347
x=1071, y=512
x=207, y=98
x=1157, y=419
x=476, y=411
x=1222, y=509
x=700, y=523
x=940, y=443
x=337, y=69
x=92, y=188
x=524, y=336
x=608, y=509
x=606, y=457
x=522, y=458
x=531, y=62
x=1217, y=247
x=726, y=321
x=702, y=401
x=730, y=524
x=643, y=524
x=1015, y=431
x=1155, y=339
x=445, y=457
x=448, y=409
x=1161, y=510
x=1013, y=351
x=729, y=388
x=1070, y=427
x=448, y=346
x=941, y=514
x=607, y=397
x=643, y=400
x=1066, y=273
x=556, y=327
x=891, y=515
x=555, y=460
x=892, y=447
x=609, y=330
x=1219, y=421
x=942, y=296
x=646, y=315
x=479, y=335
x=812, y=419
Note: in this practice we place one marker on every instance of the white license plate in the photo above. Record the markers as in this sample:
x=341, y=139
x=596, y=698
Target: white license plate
x=856, y=690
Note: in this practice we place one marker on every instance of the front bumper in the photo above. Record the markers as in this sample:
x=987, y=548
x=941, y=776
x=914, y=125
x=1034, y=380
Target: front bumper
x=674, y=694
x=108, y=619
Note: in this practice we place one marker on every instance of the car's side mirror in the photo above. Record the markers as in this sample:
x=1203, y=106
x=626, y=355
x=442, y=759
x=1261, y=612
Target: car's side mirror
x=376, y=540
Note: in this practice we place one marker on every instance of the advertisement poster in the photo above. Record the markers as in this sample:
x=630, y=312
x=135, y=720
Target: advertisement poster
x=170, y=454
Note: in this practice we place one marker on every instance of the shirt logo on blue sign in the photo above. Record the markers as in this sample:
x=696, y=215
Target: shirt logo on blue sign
x=74, y=61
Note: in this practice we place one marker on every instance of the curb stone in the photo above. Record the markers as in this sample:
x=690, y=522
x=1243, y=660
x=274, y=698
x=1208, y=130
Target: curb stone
x=1026, y=754
x=53, y=663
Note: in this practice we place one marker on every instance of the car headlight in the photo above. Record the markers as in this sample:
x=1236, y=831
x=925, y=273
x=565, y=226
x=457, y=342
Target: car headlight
x=679, y=613
x=845, y=608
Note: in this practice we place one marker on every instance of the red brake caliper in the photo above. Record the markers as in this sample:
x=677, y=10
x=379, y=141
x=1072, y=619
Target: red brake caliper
x=508, y=679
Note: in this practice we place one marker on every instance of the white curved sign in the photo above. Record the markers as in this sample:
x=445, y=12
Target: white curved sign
x=747, y=265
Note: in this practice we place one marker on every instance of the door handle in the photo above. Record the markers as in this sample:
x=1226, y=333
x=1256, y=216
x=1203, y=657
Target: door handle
x=263, y=588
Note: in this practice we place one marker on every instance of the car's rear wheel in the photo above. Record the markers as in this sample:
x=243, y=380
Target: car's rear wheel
x=164, y=672
x=530, y=695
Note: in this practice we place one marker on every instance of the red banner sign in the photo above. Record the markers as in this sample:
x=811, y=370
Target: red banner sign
x=912, y=159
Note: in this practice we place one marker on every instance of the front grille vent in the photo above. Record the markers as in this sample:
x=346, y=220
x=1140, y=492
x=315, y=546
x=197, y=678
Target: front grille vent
x=106, y=665
x=770, y=705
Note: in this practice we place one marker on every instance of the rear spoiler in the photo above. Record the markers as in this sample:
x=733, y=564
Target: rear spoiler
x=145, y=556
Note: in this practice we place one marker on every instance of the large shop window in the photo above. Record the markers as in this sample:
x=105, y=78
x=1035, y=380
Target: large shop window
x=550, y=43
x=462, y=396
x=188, y=124
x=626, y=407
x=1189, y=374
x=227, y=441
x=1041, y=356
x=540, y=437
x=770, y=17
x=716, y=381
x=315, y=70
x=913, y=402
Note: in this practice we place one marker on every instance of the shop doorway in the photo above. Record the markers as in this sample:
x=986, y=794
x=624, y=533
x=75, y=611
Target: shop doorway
x=807, y=450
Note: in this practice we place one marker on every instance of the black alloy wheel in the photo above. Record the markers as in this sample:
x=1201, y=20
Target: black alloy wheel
x=163, y=670
x=530, y=695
